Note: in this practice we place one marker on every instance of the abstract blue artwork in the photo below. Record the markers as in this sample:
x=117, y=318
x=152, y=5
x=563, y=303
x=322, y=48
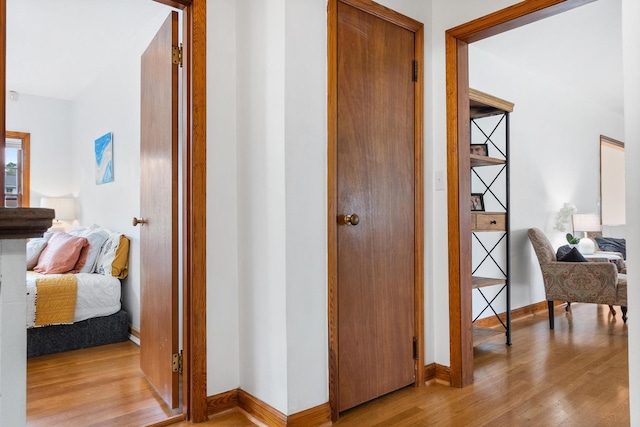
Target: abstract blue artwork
x=104, y=158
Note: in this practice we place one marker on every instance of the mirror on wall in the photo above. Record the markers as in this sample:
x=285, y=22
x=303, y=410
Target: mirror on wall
x=612, y=187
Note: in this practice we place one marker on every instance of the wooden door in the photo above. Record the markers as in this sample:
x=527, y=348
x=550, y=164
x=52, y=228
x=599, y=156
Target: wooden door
x=376, y=182
x=159, y=207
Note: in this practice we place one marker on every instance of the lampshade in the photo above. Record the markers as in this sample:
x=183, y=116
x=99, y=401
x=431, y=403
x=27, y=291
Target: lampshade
x=586, y=222
x=64, y=207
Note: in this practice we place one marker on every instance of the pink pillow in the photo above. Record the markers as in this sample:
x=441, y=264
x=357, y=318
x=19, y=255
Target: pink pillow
x=82, y=258
x=61, y=254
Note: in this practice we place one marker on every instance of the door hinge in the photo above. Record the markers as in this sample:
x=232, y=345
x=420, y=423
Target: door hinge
x=415, y=70
x=177, y=362
x=176, y=56
x=415, y=348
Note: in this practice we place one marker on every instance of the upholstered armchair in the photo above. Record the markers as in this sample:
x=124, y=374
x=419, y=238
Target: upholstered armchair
x=586, y=282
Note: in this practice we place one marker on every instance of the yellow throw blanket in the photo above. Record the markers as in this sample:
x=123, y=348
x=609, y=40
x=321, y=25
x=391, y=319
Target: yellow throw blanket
x=56, y=296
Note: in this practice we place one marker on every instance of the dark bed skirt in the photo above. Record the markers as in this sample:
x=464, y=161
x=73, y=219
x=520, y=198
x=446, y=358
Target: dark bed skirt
x=88, y=333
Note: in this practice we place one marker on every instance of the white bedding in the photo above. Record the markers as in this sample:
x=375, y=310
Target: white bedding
x=98, y=295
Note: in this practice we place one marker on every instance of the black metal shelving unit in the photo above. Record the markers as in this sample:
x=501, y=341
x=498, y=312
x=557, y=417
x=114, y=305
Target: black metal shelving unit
x=490, y=228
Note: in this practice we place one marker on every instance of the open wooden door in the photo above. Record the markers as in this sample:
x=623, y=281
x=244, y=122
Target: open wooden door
x=159, y=210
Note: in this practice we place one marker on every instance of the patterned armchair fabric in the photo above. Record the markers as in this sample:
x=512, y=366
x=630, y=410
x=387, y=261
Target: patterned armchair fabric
x=620, y=262
x=586, y=282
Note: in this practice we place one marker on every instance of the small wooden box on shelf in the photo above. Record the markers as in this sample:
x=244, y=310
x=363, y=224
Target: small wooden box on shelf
x=488, y=221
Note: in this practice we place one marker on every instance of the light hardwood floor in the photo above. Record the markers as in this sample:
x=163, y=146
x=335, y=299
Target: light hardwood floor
x=99, y=386
x=576, y=375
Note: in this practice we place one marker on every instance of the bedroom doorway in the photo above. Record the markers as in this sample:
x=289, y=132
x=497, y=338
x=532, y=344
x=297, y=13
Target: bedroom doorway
x=193, y=306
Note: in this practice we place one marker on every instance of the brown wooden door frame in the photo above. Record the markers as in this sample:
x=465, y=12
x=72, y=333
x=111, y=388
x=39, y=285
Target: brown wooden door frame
x=25, y=142
x=417, y=28
x=194, y=225
x=3, y=82
x=459, y=219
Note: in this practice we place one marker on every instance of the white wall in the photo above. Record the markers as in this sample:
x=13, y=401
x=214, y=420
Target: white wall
x=305, y=158
x=631, y=69
x=48, y=121
x=445, y=16
x=223, y=364
x=261, y=201
x=554, y=158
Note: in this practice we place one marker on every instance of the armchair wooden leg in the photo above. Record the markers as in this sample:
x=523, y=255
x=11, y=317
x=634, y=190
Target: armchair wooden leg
x=624, y=314
x=612, y=310
x=551, y=315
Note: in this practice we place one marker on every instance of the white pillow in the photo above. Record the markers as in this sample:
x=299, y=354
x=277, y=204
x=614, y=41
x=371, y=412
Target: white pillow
x=96, y=238
x=104, y=263
x=34, y=249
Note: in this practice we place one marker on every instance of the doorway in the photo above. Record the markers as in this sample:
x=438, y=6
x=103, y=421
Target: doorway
x=457, y=41
x=194, y=229
x=375, y=218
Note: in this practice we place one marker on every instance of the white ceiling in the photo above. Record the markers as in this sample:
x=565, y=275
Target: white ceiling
x=56, y=48
x=586, y=59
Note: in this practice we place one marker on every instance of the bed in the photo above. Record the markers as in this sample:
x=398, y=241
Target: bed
x=73, y=286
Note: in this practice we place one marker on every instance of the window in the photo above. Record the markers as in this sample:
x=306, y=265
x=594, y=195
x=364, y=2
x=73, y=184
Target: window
x=16, y=169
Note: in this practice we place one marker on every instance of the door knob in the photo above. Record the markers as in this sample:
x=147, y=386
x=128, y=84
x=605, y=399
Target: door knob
x=352, y=219
x=140, y=221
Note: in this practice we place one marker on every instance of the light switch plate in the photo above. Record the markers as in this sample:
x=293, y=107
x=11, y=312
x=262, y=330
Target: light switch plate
x=440, y=180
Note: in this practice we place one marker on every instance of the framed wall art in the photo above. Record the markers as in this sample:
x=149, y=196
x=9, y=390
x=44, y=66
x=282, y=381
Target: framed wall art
x=480, y=149
x=104, y=158
x=477, y=202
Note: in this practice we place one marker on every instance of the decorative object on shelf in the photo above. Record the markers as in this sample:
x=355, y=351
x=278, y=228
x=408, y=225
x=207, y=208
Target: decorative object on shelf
x=563, y=216
x=480, y=149
x=477, y=202
x=104, y=158
x=587, y=223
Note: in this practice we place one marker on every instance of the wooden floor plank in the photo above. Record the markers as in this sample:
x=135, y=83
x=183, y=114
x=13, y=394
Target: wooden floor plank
x=576, y=374
x=99, y=386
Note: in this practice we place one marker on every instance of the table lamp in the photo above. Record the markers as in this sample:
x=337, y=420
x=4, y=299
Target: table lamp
x=586, y=223
x=64, y=207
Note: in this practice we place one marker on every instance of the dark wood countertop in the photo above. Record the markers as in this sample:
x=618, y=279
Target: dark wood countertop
x=22, y=223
